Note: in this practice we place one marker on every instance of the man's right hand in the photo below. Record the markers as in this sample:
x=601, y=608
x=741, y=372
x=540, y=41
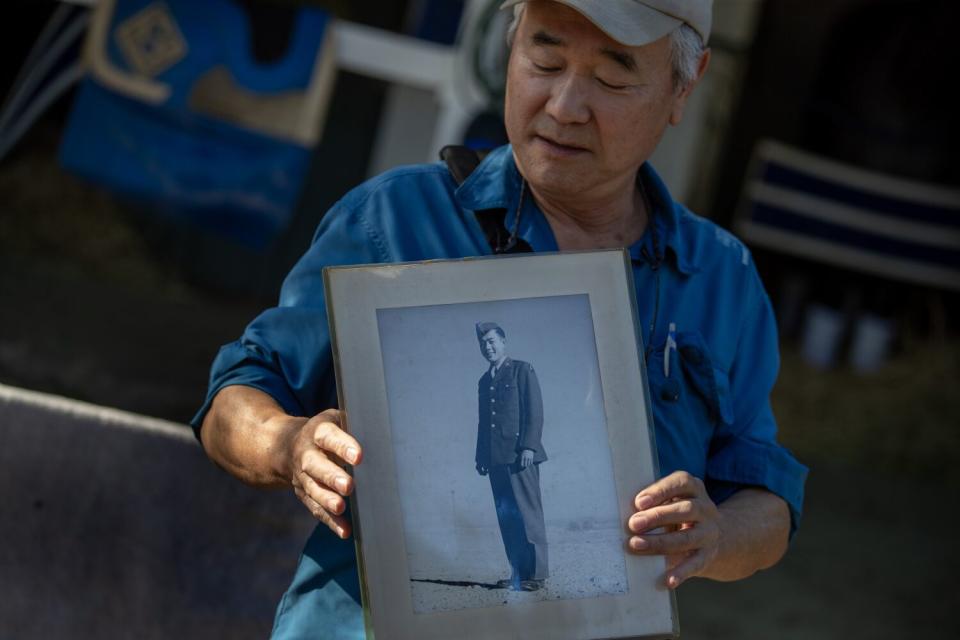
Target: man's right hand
x=482, y=470
x=317, y=452
x=248, y=434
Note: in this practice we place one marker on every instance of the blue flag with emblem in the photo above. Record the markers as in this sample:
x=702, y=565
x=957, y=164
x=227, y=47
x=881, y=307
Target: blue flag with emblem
x=177, y=113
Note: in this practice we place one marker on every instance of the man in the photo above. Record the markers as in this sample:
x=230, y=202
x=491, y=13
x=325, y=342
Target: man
x=591, y=87
x=509, y=429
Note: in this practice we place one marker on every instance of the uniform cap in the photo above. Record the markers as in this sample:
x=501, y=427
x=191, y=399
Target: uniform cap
x=638, y=22
x=483, y=328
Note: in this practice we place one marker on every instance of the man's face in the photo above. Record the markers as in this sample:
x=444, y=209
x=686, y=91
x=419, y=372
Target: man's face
x=493, y=346
x=583, y=111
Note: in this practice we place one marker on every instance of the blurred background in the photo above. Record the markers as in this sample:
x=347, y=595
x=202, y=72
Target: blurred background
x=163, y=165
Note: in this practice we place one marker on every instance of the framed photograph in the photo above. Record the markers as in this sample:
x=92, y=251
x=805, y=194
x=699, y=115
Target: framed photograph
x=503, y=409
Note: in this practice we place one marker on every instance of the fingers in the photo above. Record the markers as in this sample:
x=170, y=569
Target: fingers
x=659, y=544
x=675, y=513
x=331, y=476
x=687, y=524
x=318, y=479
x=676, y=518
x=322, y=485
x=678, y=484
x=336, y=522
x=330, y=437
x=688, y=549
x=692, y=565
x=525, y=458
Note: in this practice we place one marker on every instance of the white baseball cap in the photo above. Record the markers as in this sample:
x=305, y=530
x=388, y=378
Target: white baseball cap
x=639, y=22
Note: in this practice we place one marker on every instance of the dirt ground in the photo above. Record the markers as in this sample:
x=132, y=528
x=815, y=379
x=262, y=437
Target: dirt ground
x=90, y=311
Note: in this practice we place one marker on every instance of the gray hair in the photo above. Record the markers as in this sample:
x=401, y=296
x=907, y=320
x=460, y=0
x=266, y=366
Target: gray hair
x=512, y=27
x=686, y=49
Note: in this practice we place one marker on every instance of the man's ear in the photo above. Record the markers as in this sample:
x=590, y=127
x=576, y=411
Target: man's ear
x=680, y=100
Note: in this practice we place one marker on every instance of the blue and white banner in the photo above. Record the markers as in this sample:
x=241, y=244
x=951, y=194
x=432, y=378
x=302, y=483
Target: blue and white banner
x=821, y=209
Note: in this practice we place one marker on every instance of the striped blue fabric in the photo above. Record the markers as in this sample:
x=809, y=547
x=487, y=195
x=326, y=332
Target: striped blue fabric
x=797, y=203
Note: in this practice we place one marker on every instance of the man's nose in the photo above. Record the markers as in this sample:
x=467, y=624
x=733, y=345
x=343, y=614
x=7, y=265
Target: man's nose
x=568, y=102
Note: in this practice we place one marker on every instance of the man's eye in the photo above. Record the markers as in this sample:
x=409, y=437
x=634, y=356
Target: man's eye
x=612, y=85
x=545, y=68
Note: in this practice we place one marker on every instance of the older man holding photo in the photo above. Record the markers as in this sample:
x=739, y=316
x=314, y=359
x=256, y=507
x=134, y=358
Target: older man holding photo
x=591, y=87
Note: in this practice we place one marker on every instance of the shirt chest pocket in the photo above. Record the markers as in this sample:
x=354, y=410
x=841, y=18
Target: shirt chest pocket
x=506, y=393
x=505, y=409
x=692, y=398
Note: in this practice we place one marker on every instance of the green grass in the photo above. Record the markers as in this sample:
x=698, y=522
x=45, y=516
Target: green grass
x=904, y=418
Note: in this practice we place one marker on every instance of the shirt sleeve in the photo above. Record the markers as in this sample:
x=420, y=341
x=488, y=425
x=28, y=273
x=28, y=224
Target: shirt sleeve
x=532, y=409
x=744, y=451
x=285, y=352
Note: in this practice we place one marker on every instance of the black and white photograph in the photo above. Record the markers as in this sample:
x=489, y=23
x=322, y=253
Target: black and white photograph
x=502, y=452
x=489, y=393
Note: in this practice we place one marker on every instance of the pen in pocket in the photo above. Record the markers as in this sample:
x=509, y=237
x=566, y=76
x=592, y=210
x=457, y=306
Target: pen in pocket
x=671, y=346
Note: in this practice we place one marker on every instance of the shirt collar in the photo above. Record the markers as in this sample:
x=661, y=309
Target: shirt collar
x=666, y=218
x=494, y=370
x=495, y=184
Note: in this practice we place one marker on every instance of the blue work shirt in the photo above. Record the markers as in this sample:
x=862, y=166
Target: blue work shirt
x=712, y=413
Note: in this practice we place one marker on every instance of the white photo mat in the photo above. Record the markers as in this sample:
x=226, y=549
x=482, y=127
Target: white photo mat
x=418, y=308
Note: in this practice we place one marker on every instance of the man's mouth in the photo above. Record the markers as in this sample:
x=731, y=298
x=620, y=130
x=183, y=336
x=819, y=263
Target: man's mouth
x=560, y=146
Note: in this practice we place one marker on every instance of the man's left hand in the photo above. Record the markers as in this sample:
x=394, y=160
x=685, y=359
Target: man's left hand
x=691, y=525
x=526, y=458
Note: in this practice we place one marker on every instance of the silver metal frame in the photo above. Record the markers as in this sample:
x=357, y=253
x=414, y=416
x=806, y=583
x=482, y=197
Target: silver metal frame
x=354, y=294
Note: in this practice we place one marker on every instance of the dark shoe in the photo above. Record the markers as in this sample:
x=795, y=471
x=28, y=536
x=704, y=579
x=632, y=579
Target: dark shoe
x=531, y=585
x=506, y=583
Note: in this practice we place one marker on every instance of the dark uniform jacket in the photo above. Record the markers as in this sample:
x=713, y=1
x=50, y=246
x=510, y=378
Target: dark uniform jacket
x=511, y=415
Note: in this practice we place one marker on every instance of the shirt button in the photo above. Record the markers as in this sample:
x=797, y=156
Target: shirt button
x=492, y=426
x=491, y=388
x=493, y=399
x=692, y=355
x=670, y=391
x=494, y=412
